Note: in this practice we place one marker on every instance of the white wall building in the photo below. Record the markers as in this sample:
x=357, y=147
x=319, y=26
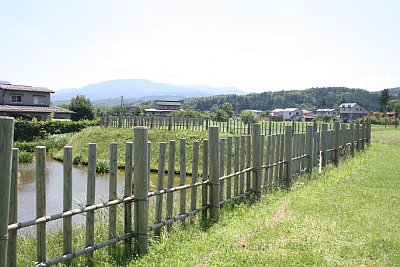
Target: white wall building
x=289, y=114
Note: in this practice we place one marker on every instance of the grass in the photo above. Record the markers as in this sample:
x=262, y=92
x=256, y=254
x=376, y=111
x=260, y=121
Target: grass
x=104, y=136
x=347, y=216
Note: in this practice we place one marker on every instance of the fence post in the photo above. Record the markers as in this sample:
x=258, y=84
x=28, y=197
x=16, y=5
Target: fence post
x=182, y=175
x=13, y=211
x=67, y=202
x=112, y=195
x=213, y=147
x=141, y=188
x=324, y=144
x=369, y=130
x=309, y=148
x=90, y=199
x=336, y=143
x=41, y=201
x=204, y=177
x=257, y=164
x=287, y=156
x=6, y=143
x=351, y=139
x=127, y=193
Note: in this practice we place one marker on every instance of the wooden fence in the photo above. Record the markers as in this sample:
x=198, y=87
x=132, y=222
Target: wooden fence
x=231, y=169
x=233, y=126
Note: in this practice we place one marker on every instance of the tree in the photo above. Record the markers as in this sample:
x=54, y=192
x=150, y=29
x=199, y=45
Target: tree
x=394, y=105
x=219, y=115
x=383, y=99
x=246, y=116
x=228, y=108
x=322, y=102
x=83, y=108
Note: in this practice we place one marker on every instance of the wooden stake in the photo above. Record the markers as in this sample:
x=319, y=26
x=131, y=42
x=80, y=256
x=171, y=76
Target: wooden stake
x=213, y=148
x=67, y=202
x=141, y=189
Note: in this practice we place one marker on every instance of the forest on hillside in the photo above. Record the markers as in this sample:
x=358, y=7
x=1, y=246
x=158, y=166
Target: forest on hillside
x=322, y=97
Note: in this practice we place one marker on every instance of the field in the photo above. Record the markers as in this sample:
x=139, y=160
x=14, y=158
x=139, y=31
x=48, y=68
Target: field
x=349, y=216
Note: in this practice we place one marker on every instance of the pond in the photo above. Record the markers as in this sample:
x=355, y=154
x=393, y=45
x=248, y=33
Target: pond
x=54, y=189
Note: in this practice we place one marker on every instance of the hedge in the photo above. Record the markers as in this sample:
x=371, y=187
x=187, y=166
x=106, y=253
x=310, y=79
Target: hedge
x=33, y=130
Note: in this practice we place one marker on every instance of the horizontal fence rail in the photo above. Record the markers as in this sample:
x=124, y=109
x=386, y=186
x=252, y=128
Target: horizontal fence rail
x=232, y=125
x=229, y=169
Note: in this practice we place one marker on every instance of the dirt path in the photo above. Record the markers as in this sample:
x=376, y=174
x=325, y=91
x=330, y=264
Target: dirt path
x=281, y=215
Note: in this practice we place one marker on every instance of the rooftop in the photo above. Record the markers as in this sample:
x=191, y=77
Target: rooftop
x=168, y=103
x=14, y=87
x=348, y=104
x=36, y=109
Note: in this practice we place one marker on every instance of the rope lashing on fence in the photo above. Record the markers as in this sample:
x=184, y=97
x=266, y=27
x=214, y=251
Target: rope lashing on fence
x=85, y=250
x=69, y=213
x=177, y=188
x=4, y=237
x=236, y=173
x=300, y=157
x=178, y=218
x=272, y=165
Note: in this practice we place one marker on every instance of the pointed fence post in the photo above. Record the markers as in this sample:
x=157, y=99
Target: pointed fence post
x=213, y=148
x=6, y=143
x=287, y=156
x=257, y=164
x=141, y=188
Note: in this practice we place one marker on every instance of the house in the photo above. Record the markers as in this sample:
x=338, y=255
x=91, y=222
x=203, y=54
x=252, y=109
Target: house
x=164, y=106
x=351, y=112
x=287, y=114
x=326, y=111
x=23, y=101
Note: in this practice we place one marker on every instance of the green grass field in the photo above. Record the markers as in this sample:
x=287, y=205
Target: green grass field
x=348, y=216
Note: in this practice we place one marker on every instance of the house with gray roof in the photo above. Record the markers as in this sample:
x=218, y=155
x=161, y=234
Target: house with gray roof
x=164, y=107
x=23, y=101
x=350, y=112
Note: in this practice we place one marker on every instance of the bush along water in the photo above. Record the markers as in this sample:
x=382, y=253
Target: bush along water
x=33, y=130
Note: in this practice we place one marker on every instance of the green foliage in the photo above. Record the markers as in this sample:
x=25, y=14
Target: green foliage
x=102, y=166
x=32, y=130
x=305, y=99
x=247, y=116
x=228, y=108
x=325, y=118
x=219, y=115
x=83, y=108
x=25, y=157
x=395, y=105
x=383, y=99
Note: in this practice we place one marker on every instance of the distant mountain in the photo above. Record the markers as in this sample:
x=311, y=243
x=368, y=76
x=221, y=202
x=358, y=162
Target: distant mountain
x=394, y=91
x=139, y=88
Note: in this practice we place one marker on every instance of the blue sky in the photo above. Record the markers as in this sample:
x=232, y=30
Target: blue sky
x=255, y=45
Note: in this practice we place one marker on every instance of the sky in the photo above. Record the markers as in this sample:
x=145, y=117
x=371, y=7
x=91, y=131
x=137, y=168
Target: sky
x=254, y=45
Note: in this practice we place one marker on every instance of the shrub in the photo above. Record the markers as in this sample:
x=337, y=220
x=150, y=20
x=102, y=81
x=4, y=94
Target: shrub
x=102, y=166
x=33, y=130
x=25, y=157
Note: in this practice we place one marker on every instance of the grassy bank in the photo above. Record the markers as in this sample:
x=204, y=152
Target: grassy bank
x=104, y=136
x=349, y=216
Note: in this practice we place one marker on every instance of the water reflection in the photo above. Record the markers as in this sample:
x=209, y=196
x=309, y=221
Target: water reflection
x=54, y=188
